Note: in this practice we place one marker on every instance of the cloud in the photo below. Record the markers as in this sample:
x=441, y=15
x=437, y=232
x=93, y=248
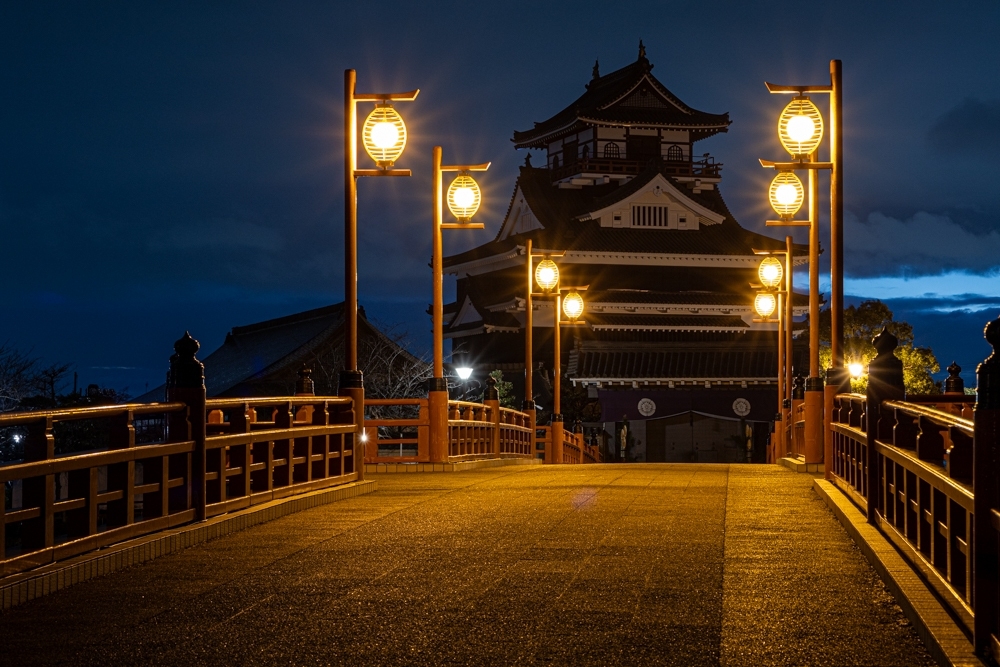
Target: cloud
x=925, y=244
x=972, y=128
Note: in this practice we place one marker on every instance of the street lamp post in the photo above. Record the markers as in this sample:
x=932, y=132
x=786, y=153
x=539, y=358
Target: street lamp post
x=464, y=198
x=800, y=129
x=384, y=138
x=546, y=276
x=770, y=274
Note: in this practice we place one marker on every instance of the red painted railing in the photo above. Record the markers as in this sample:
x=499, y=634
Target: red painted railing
x=398, y=431
x=90, y=477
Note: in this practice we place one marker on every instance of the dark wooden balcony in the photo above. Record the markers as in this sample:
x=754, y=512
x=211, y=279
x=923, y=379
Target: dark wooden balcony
x=705, y=167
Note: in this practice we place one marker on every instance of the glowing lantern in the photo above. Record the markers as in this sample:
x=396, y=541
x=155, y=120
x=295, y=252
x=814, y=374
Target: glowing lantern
x=547, y=275
x=786, y=194
x=764, y=304
x=464, y=372
x=770, y=272
x=800, y=127
x=573, y=306
x=464, y=197
x=384, y=135
x=856, y=369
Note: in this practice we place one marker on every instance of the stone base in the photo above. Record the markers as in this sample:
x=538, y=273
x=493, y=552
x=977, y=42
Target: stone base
x=798, y=464
x=457, y=466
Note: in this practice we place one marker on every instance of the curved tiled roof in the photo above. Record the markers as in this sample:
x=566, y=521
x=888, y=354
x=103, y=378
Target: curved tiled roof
x=604, y=103
x=558, y=209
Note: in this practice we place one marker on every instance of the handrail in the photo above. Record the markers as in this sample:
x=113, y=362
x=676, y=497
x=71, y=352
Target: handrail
x=88, y=412
x=937, y=416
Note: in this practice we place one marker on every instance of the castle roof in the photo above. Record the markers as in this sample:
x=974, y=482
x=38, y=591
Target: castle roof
x=630, y=96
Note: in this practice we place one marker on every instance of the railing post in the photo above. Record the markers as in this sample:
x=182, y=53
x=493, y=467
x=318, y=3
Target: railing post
x=528, y=408
x=352, y=385
x=186, y=384
x=885, y=383
x=492, y=402
x=556, y=438
x=437, y=408
x=986, y=464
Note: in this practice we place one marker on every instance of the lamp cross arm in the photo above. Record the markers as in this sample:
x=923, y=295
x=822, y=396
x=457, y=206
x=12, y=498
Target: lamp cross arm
x=466, y=167
x=548, y=254
x=387, y=97
x=778, y=89
x=787, y=223
x=795, y=166
x=382, y=172
x=463, y=225
x=578, y=288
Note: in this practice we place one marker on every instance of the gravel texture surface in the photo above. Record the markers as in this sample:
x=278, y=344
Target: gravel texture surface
x=570, y=565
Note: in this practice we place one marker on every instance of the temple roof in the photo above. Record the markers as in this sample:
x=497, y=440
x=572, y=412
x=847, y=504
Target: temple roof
x=559, y=210
x=630, y=96
x=654, y=361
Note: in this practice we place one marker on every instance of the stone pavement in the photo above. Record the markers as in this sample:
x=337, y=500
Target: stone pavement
x=649, y=564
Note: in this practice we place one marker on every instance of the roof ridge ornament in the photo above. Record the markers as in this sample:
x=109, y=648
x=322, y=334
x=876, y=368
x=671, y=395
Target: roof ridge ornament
x=596, y=74
x=642, y=51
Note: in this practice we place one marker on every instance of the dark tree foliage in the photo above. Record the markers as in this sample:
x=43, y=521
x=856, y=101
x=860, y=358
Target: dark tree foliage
x=861, y=324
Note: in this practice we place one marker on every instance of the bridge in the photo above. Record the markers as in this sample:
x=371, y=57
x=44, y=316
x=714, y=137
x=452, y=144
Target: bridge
x=271, y=531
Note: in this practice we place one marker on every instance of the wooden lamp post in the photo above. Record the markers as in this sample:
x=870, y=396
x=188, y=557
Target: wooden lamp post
x=800, y=129
x=384, y=138
x=464, y=198
x=770, y=273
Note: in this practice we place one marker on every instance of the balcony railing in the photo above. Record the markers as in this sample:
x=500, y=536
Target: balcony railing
x=705, y=168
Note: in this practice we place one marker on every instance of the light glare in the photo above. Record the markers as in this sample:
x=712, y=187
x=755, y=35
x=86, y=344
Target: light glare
x=573, y=305
x=547, y=274
x=764, y=304
x=385, y=135
x=464, y=372
x=801, y=128
x=856, y=369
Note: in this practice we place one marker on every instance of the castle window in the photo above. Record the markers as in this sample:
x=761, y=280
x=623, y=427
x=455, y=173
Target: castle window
x=675, y=154
x=650, y=216
x=612, y=151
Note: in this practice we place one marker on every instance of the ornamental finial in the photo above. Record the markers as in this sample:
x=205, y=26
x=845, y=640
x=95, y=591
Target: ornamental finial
x=527, y=160
x=642, y=51
x=596, y=74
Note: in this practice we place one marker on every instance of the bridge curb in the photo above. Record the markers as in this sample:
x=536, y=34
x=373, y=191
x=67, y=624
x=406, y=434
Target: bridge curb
x=945, y=640
x=22, y=587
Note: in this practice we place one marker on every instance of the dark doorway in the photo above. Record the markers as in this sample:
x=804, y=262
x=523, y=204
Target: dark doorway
x=642, y=148
x=696, y=438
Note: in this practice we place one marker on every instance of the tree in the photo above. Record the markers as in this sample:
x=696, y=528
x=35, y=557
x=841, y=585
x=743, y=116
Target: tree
x=505, y=391
x=861, y=324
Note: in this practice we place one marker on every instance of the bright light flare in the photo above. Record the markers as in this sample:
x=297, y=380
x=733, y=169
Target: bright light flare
x=464, y=197
x=855, y=369
x=800, y=127
x=786, y=194
x=384, y=135
x=547, y=274
x=464, y=372
x=364, y=436
x=770, y=272
x=764, y=304
x=573, y=306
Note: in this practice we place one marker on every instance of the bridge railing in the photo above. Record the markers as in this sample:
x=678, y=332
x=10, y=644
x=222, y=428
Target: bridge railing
x=89, y=477
x=925, y=471
x=398, y=431
x=575, y=447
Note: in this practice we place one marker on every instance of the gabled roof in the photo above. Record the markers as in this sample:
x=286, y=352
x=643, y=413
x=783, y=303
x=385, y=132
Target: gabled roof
x=629, y=96
x=559, y=211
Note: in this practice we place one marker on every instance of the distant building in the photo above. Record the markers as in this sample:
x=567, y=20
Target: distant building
x=264, y=359
x=670, y=342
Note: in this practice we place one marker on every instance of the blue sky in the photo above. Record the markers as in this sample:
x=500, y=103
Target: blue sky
x=178, y=167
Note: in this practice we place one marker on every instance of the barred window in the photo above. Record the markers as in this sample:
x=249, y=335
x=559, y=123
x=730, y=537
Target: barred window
x=675, y=154
x=611, y=150
x=650, y=216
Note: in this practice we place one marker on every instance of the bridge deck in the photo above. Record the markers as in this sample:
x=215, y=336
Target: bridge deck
x=577, y=565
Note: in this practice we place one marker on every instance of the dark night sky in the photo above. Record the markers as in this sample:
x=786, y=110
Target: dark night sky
x=172, y=166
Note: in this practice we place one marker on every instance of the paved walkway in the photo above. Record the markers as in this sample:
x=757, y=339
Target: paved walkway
x=576, y=565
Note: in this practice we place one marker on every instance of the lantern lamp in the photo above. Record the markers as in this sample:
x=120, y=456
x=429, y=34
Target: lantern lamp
x=800, y=127
x=464, y=372
x=464, y=197
x=573, y=306
x=384, y=135
x=786, y=194
x=764, y=304
x=770, y=272
x=547, y=275
x=856, y=369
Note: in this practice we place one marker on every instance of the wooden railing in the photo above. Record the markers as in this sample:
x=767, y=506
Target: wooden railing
x=925, y=471
x=398, y=431
x=575, y=447
x=91, y=477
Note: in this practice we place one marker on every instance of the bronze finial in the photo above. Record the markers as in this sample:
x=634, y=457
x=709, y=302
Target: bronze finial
x=527, y=160
x=642, y=51
x=597, y=71
x=954, y=384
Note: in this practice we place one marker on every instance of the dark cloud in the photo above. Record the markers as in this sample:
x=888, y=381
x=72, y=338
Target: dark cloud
x=972, y=128
x=923, y=244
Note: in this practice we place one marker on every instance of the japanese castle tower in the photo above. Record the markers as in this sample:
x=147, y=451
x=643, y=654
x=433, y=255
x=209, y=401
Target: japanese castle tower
x=670, y=340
